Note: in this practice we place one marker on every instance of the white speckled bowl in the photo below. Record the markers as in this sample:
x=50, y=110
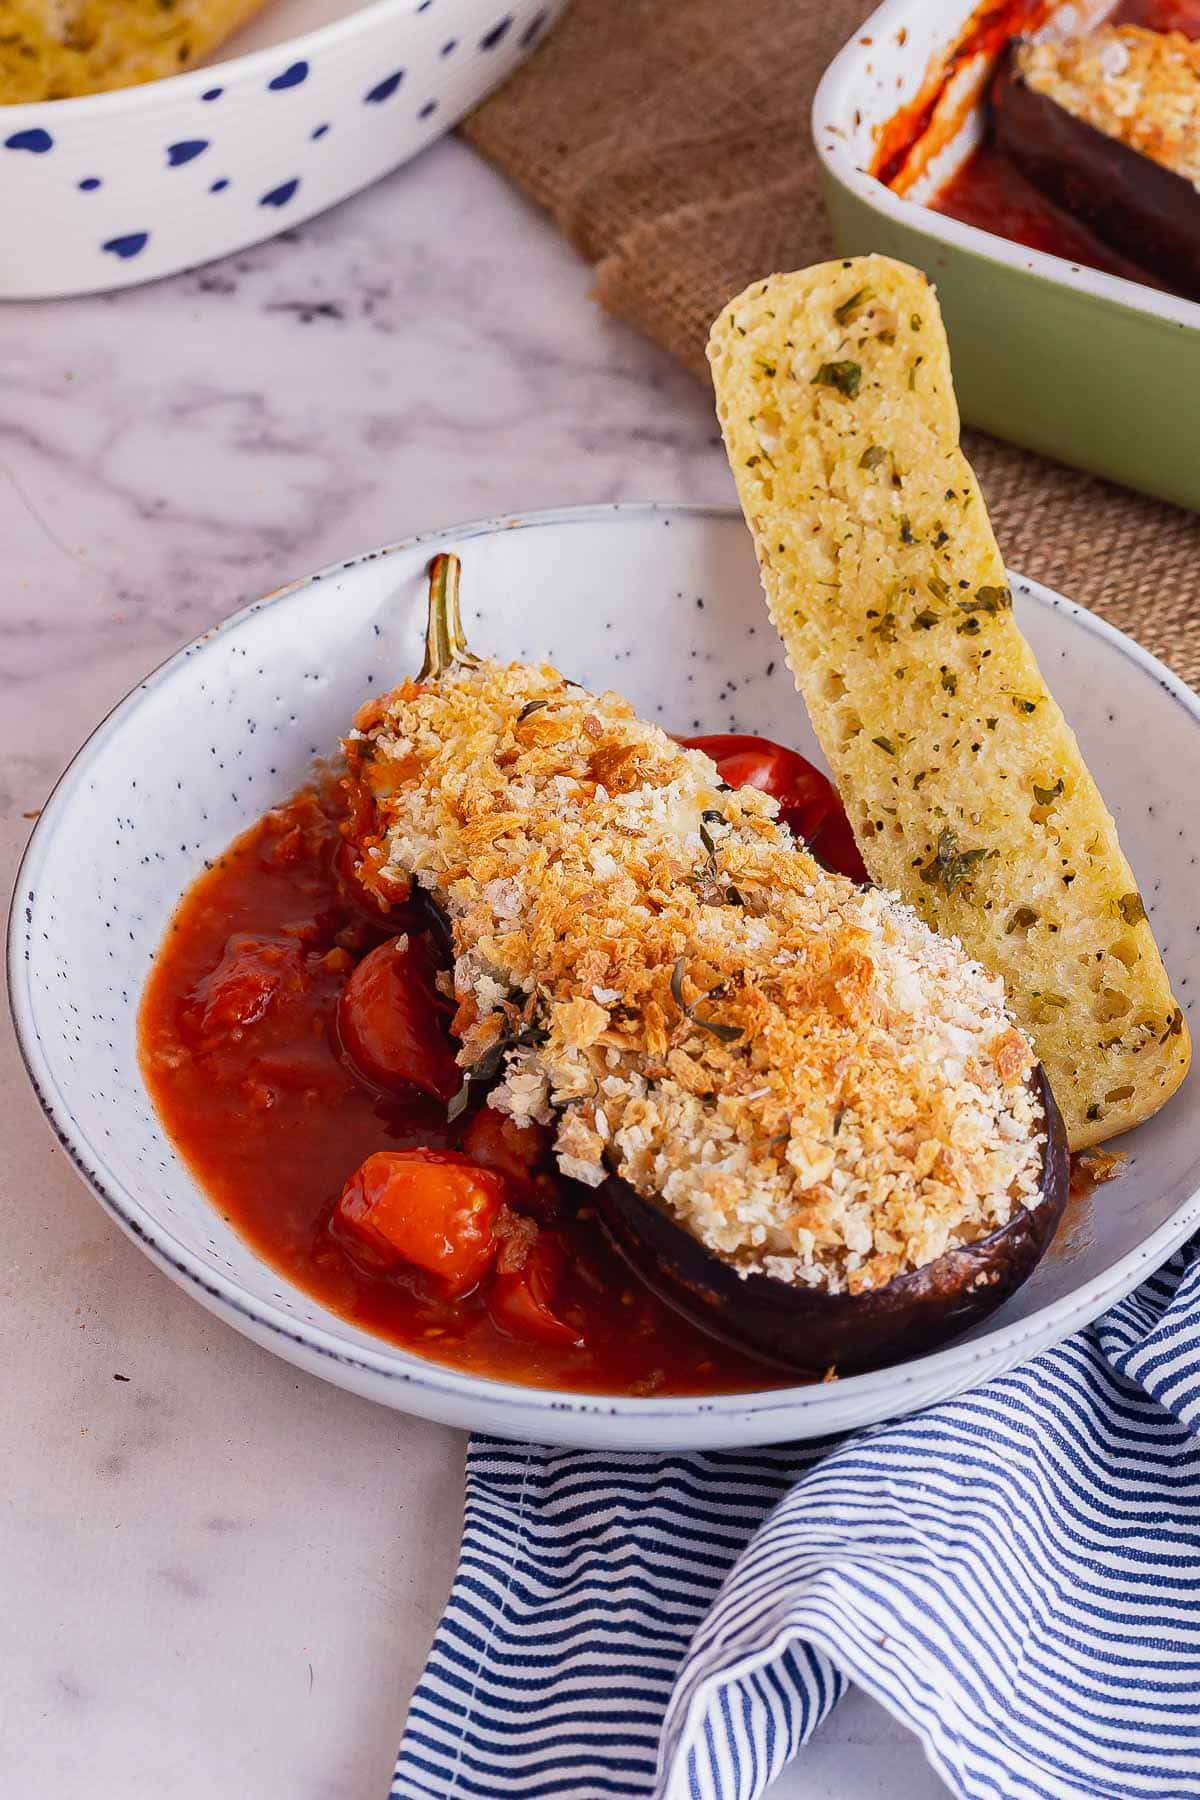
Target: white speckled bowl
x=663, y=603
x=111, y=189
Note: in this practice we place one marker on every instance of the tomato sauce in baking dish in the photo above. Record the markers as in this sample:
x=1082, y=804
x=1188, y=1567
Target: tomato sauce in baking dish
x=279, y=1010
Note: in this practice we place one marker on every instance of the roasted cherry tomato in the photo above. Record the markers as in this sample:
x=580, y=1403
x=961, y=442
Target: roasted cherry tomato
x=496, y=1141
x=1166, y=15
x=430, y=1208
x=519, y=1300
x=522, y=1154
x=250, y=975
x=805, y=797
x=390, y=1022
x=373, y=902
x=808, y=804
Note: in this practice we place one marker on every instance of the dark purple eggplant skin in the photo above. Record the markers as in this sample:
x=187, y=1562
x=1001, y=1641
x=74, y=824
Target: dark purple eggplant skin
x=811, y=1331
x=437, y=923
x=1147, y=212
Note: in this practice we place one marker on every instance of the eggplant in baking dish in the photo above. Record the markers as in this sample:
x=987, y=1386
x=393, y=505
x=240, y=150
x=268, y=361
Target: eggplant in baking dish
x=806, y=1120
x=1108, y=127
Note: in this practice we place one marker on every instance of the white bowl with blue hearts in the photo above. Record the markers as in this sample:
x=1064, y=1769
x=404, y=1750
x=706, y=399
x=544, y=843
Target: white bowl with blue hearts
x=111, y=189
x=663, y=604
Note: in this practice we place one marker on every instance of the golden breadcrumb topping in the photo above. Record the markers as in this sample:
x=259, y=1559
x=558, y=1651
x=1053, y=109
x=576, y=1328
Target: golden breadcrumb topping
x=1140, y=87
x=808, y=1078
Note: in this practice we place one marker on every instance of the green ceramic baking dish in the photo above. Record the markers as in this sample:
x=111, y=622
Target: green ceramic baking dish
x=1087, y=367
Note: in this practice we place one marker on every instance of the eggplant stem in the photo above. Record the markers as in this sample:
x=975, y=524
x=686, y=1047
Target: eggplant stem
x=445, y=640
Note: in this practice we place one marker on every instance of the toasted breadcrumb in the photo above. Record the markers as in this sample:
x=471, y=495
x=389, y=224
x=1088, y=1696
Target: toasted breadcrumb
x=811, y=1081
x=1138, y=86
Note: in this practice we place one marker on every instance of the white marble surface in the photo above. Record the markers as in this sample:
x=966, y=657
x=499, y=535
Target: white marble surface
x=219, y=1577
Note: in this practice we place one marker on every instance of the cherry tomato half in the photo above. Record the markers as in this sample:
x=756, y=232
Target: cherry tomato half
x=432, y=1209
x=390, y=1022
x=522, y=1154
x=498, y=1142
x=808, y=803
x=251, y=974
x=805, y=797
x=375, y=903
x=519, y=1300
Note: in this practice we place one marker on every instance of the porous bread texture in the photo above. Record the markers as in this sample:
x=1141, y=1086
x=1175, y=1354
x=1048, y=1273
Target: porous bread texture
x=1140, y=87
x=965, y=786
x=57, y=49
x=808, y=1079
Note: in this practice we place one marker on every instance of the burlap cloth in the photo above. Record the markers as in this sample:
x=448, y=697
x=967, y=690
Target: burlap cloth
x=669, y=141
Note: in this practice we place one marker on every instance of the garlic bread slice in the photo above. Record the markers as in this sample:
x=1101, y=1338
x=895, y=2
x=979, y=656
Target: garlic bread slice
x=965, y=786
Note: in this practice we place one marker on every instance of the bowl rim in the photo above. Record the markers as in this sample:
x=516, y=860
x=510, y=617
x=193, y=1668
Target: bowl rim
x=242, y=68
x=838, y=92
x=390, y=1362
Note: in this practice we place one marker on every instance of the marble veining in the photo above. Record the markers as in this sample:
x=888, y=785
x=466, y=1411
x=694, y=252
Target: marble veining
x=220, y=1575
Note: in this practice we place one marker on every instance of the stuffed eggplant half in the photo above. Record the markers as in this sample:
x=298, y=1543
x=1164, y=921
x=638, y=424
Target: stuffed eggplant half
x=806, y=1120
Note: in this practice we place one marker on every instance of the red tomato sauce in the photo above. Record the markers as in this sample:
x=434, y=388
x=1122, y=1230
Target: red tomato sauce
x=985, y=33
x=988, y=191
x=1159, y=15
x=241, y=1056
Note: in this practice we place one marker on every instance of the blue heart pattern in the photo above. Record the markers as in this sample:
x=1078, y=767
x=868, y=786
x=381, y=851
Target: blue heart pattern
x=281, y=195
x=383, y=90
x=36, y=141
x=186, y=151
x=291, y=77
x=132, y=244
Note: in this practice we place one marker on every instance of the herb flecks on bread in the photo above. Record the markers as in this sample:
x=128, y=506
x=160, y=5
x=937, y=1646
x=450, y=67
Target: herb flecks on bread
x=964, y=784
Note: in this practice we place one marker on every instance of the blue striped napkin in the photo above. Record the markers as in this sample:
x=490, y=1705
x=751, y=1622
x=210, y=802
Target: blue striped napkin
x=1014, y=1574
